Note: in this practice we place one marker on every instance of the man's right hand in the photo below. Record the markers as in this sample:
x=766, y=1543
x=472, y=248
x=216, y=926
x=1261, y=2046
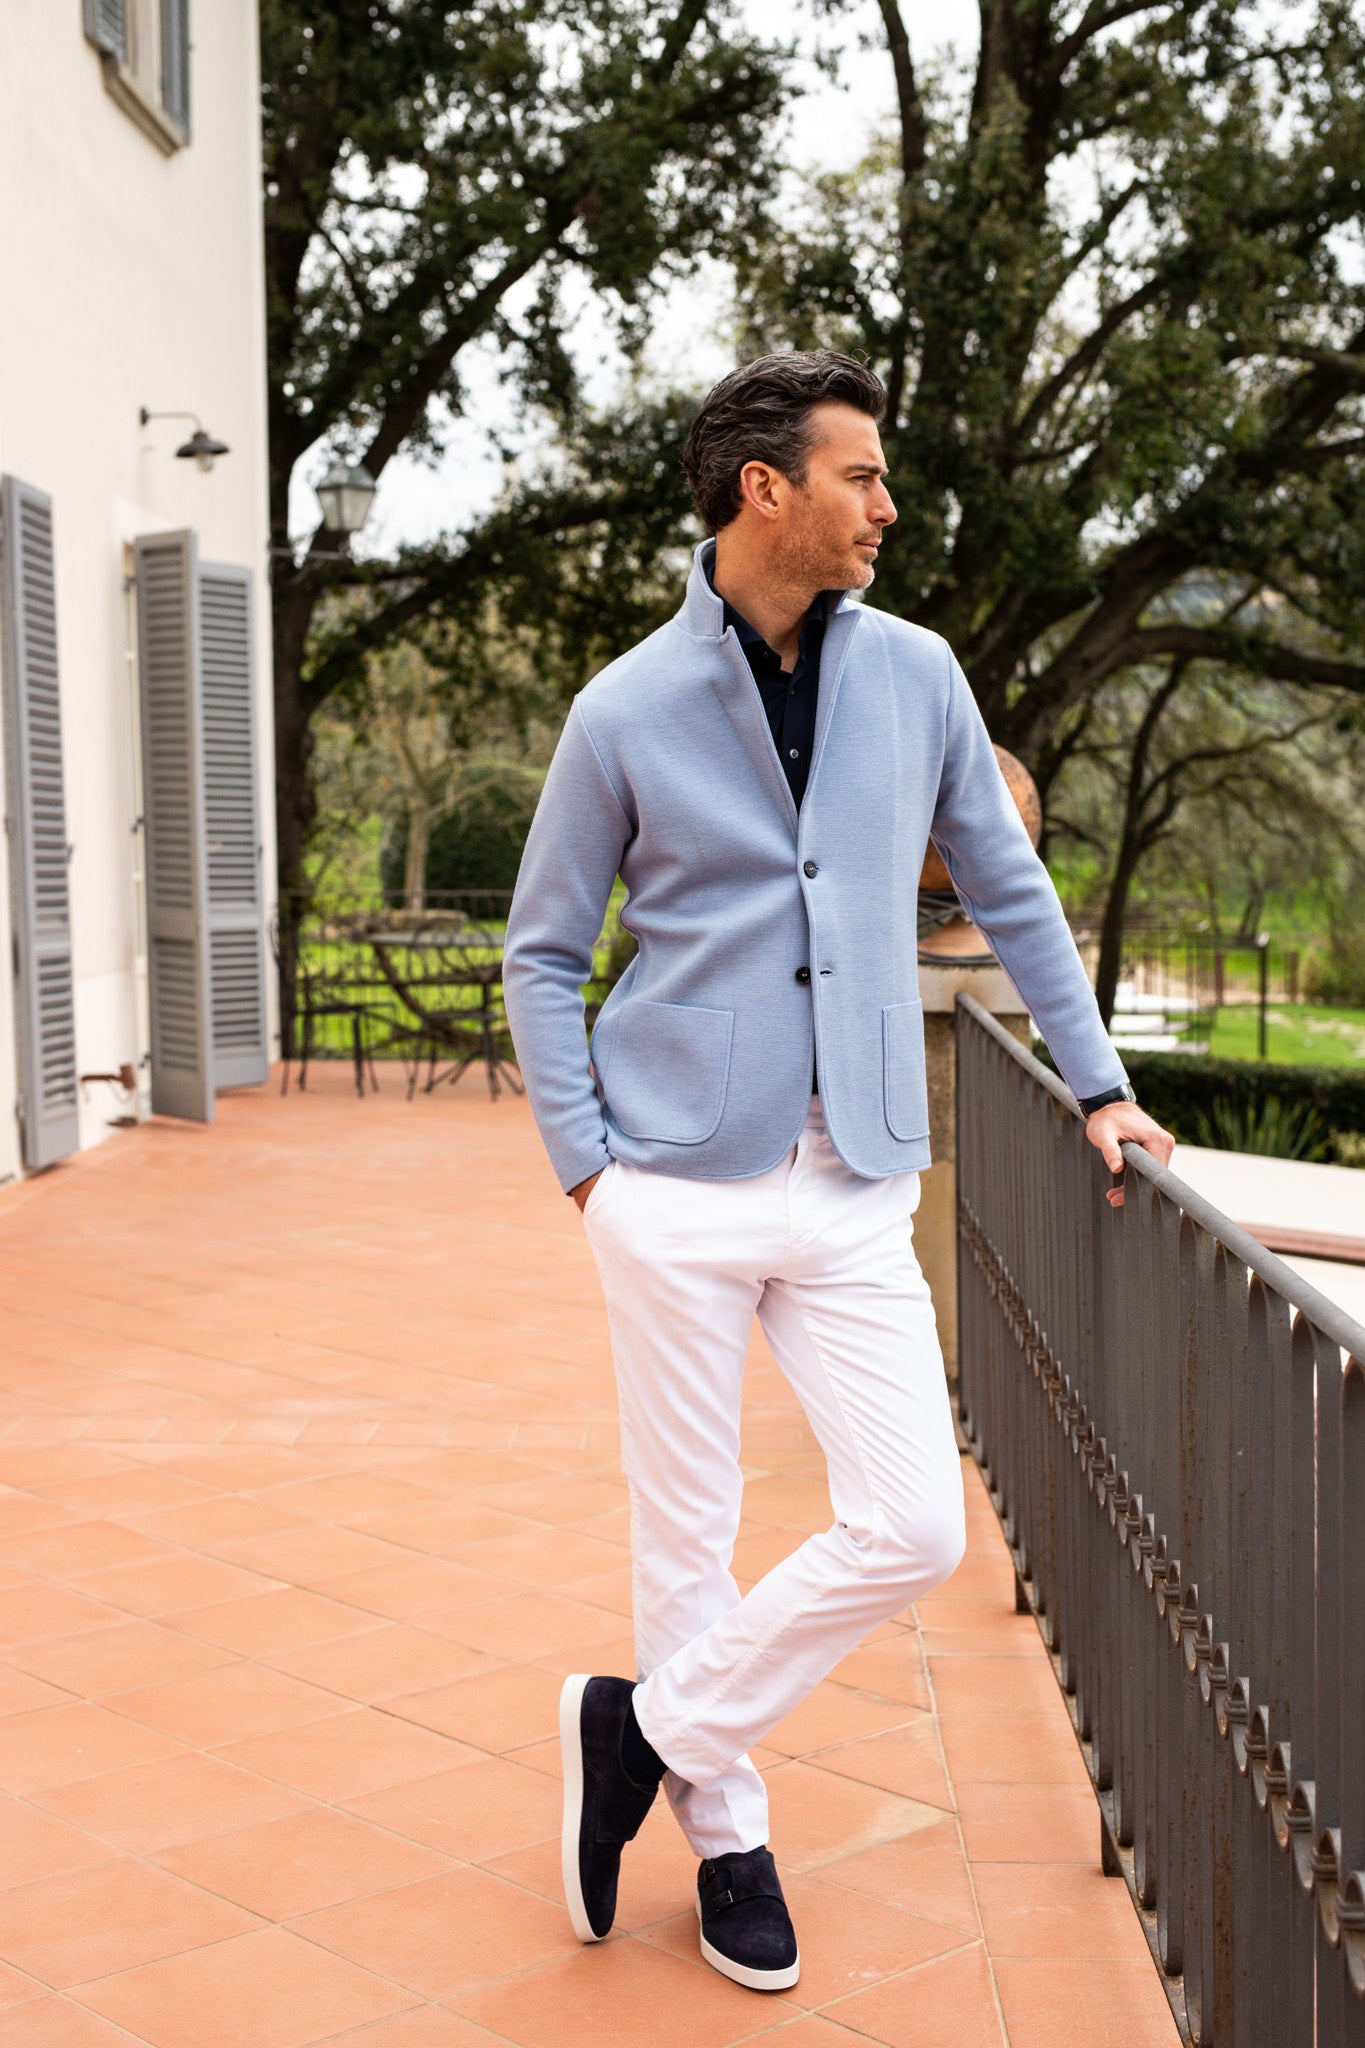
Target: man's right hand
x=583, y=1190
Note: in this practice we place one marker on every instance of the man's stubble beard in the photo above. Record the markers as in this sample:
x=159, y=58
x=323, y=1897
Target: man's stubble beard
x=808, y=561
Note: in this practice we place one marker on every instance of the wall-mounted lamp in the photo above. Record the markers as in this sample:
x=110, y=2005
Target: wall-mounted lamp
x=346, y=494
x=201, y=447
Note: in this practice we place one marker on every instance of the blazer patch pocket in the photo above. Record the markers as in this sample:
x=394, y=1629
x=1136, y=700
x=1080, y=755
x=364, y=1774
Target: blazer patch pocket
x=668, y=1068
x=903, y=1080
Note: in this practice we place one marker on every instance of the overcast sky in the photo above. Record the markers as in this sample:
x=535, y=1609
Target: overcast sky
x=828, y=127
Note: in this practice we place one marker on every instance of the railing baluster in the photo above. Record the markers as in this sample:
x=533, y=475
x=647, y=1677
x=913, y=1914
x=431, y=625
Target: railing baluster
x=1179, y=1458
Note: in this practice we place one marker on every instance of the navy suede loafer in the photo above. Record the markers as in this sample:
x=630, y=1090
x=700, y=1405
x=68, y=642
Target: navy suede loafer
x=746, y=1930
x=603, y=1806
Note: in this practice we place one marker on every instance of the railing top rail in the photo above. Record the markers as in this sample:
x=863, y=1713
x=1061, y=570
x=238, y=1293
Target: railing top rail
x=1325, y=1314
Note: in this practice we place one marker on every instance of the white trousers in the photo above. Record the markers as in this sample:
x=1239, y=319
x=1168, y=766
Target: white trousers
x=825, y=1260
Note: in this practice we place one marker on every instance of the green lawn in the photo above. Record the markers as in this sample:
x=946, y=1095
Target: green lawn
x=1298, y=1035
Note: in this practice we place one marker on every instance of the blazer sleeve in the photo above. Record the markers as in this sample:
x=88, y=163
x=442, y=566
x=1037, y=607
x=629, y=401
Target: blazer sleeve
x=573, y=852
x=1008, y=893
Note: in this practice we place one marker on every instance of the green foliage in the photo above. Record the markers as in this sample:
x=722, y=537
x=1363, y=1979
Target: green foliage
x=476, y=847
x=1276, y=1129
x=1337, y=974
x=1348, y=1148
x=1111, y=280
x=1179, y=1089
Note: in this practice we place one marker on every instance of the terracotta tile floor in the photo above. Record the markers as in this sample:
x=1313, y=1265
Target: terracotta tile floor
x=308, y=1499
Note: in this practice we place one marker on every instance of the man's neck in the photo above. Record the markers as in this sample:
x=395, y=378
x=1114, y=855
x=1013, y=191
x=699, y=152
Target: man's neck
x=774, y=603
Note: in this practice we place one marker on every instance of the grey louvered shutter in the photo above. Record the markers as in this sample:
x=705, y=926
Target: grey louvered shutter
x=36, y=809
x=175, y=61
x=106, y=24
x=227, y=681
x=173, y=813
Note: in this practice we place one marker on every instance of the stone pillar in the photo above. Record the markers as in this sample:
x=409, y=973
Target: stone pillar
x=936, y=1219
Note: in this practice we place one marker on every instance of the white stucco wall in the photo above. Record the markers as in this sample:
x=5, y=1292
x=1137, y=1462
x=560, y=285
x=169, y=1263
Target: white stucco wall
x=127, y=278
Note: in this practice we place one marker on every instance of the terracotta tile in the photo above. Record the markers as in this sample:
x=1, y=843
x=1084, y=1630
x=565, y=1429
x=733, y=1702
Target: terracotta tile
x=562, y=1497
x=907, y=1760
x=284, y=1619
x=230, y=1703
x=817, y=1816
x=1106, y=2004
x=948, y=2000
x=78, y=1550
x=67, y=1930
x=812, y=2032
x=51, y=1464
x=443, y=1528
x=506, y=1708
x=24, y=1513
x=132, y=1491
x=925, y=1872
x=994, y=1685
x=36, y=1845
x=153, y=1805
x=410, y=1590
x=34, y=1610
x=348, y=1754
x=523, y=1626
x=59, y=1744
x=441, y=1937
x=426, y=2026
x=22, y=1693
x=383, y=1662
x=1027, y=1749
x=483, y=1809
x=1030, y=1823
x=543, y=1557
x=833, y=1714
x=268, y=1989
x=311, y=1552
x=1057, y=1909
x=621, y=1994
x=612, y=1590
x=986, y=1578
x=175, y=1581
x=210, y=1524
x=892, y=1669
x=57, y=2023
x=296, y=1865
x=239, y=1471
x=17, y=1989
x=112, y=1660
x=346, y=1497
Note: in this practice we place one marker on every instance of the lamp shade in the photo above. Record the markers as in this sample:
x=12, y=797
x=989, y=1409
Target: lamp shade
x=203, y=449
x=346, y=494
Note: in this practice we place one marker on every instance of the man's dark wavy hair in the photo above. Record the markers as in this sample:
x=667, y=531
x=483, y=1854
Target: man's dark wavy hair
x=761, y=413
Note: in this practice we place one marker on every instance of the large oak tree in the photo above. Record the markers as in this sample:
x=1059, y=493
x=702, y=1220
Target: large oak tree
x=1113, y=278
x=439, y=175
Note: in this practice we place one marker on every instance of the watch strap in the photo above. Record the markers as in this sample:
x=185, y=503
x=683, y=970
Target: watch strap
x=1088, y=1104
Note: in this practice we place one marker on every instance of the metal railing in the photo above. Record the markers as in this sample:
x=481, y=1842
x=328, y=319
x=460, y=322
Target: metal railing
x=1172, y=1425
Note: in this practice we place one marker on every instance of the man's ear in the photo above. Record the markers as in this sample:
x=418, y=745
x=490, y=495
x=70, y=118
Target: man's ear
x=762, y=488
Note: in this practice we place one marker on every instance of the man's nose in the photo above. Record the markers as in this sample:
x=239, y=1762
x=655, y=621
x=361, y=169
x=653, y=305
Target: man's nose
x=882, y=511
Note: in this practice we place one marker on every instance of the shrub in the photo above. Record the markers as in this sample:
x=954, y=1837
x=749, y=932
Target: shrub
x=1337, y=975
x=1348, y=1148
x=1178, y=1088
x=1277, y=1130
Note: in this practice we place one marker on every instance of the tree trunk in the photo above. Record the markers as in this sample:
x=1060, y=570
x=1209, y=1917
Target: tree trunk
x=415, y=861
x=295, y=805
x=1111, y=930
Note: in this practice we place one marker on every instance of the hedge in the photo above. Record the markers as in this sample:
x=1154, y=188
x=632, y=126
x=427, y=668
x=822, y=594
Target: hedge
x=1173, y=1086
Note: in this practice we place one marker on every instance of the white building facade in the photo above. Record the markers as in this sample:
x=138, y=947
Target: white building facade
x=137, y=870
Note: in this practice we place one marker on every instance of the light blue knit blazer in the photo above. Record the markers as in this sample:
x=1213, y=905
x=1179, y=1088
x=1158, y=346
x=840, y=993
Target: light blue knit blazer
x=768, y=941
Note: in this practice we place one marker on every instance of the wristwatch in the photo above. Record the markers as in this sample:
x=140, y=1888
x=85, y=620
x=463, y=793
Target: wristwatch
x=1088, y=1104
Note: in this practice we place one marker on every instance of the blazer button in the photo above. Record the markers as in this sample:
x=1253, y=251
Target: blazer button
x=803, y=974
x=810, y=870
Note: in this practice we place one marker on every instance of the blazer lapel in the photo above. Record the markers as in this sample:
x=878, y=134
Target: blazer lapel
x=833, y=660
x=733, y=682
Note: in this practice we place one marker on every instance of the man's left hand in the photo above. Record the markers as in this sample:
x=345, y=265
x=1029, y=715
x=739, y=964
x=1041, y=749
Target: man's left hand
x=1118, y=1123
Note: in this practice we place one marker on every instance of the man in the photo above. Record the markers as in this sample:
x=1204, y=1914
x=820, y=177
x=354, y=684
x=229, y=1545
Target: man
x=764, y=773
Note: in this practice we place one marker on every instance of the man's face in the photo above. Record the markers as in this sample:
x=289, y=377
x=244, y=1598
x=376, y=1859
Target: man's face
x=830, y=526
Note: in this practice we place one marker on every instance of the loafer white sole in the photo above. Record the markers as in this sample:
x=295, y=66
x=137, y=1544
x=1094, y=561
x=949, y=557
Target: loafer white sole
x=740, y=1973
x=571, y=1754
